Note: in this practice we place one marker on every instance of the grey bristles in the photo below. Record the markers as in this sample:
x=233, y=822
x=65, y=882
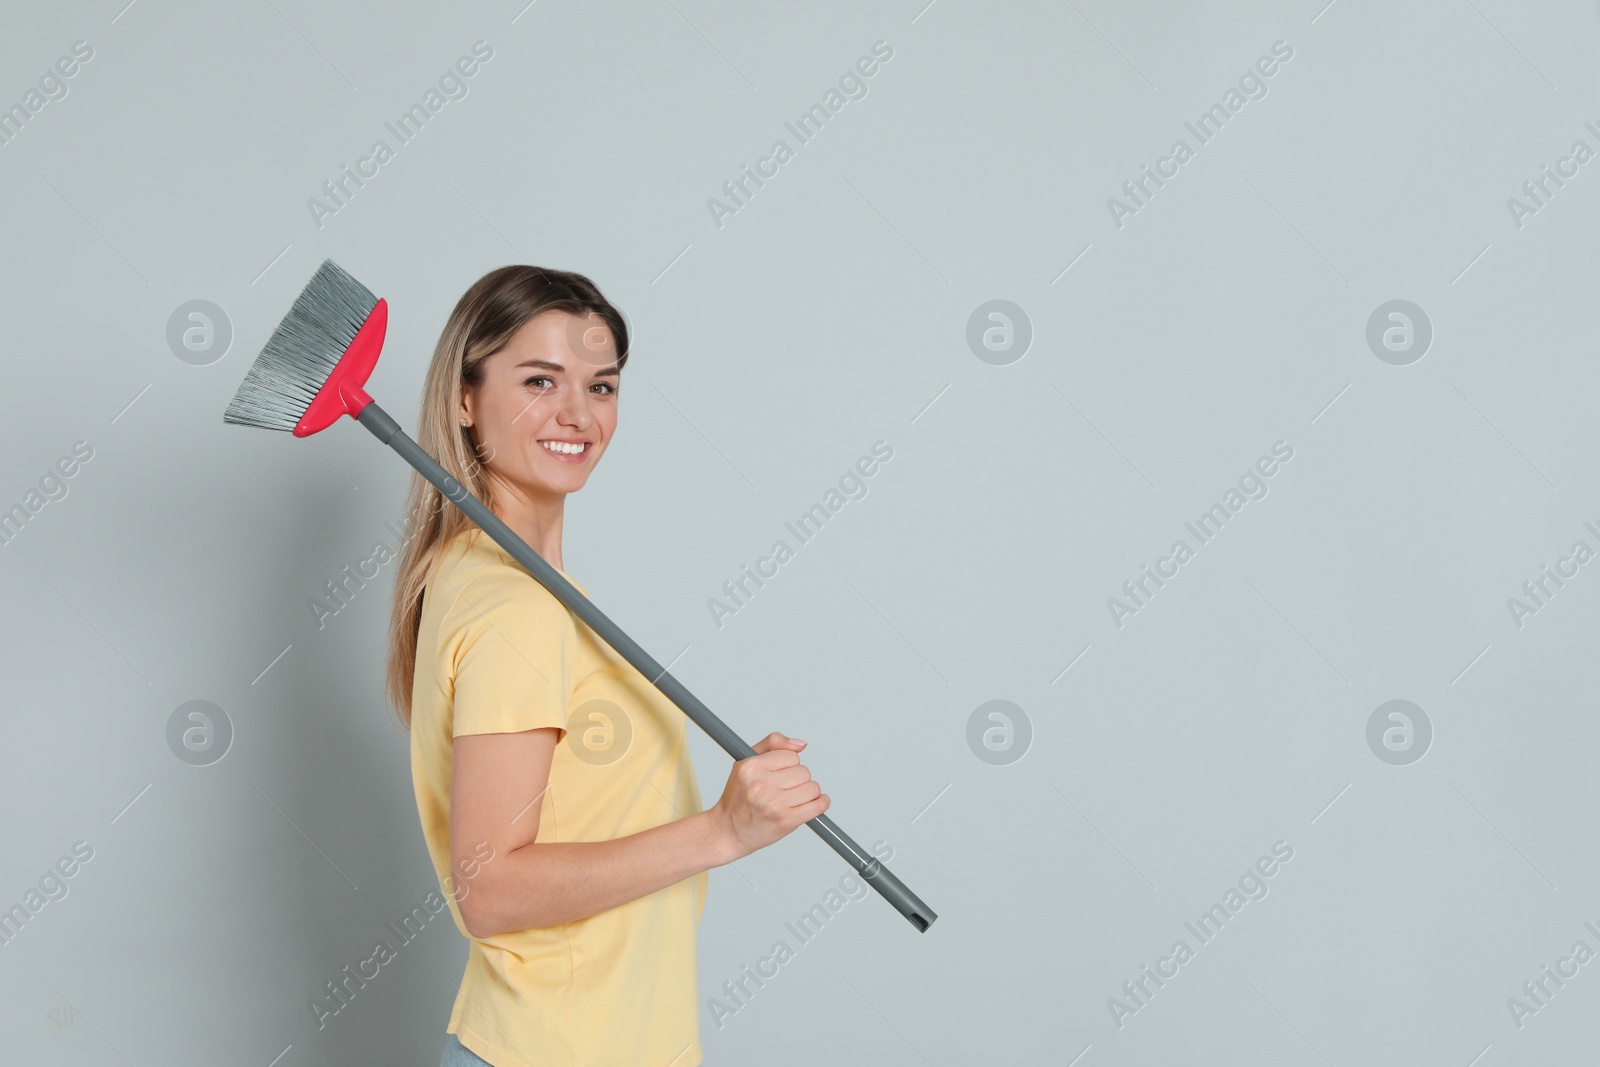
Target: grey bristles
x=302, y=351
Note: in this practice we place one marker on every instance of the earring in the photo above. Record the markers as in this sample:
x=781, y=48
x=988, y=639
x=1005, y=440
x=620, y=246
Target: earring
x=463, y=422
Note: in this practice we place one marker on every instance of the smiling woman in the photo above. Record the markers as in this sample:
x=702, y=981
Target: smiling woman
x=529, y=411
x=531, y=733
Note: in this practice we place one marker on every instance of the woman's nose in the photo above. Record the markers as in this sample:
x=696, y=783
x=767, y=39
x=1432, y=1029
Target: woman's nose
x=575, y=411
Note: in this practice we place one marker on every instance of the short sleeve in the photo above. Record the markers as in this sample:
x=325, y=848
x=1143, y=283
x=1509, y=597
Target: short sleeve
x=509, y=645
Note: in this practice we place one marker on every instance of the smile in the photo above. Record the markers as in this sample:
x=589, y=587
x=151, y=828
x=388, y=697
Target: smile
x=566, y=451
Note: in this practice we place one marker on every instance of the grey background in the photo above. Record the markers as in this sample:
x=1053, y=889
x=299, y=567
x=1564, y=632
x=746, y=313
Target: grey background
x=770, y=353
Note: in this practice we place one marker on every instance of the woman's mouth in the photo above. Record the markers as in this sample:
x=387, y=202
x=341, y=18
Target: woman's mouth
x=567, y=451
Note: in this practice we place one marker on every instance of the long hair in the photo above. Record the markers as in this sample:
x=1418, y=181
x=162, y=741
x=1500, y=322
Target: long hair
x=484, y=320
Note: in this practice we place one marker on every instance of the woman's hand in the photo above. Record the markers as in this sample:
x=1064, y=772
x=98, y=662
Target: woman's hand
x=767, y=795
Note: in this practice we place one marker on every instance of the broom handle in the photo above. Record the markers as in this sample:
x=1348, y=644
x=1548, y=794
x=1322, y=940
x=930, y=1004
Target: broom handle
x=388, y=431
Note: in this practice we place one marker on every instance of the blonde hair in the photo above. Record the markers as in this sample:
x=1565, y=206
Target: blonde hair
x=483, y=321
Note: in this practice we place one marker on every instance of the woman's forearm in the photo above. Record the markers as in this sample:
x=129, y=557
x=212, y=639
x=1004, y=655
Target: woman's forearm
x=548, y=883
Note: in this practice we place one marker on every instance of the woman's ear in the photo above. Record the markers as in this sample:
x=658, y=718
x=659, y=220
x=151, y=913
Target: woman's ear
x=466, y=408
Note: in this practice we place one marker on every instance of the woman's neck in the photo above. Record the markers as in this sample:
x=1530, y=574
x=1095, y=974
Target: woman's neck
x=537, y=520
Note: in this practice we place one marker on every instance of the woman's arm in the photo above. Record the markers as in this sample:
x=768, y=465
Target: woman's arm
x=496, y=794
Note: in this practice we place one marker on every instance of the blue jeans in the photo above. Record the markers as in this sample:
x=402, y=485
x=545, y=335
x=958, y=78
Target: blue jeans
x=458, y=1055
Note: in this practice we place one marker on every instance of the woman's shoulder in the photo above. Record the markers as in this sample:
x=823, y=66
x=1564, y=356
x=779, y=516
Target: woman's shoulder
x=484, y=585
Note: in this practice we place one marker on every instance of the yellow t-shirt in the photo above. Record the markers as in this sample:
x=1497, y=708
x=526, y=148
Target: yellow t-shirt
x=498, y=653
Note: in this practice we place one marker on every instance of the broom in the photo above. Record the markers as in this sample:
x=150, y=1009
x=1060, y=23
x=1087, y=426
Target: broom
x=312, y=371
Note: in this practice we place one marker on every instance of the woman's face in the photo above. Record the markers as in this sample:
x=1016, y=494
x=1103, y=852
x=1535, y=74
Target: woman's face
x=553, y=384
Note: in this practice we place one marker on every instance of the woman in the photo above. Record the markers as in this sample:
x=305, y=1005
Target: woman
x=553, y=782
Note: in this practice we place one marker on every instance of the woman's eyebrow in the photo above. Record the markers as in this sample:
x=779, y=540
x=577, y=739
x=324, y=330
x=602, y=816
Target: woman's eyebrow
x=556, y=366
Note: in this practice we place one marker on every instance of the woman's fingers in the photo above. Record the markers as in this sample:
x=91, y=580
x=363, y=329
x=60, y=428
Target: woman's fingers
x=776, y=740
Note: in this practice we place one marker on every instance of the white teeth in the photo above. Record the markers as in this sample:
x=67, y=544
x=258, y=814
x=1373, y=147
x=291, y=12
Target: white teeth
x=562, y=446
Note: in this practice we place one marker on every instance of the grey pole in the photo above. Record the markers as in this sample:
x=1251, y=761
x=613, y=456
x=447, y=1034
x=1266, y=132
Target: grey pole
x=388, y=431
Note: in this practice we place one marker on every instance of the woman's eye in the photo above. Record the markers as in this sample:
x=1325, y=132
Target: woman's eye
x=539, y=378
x=608, y=387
